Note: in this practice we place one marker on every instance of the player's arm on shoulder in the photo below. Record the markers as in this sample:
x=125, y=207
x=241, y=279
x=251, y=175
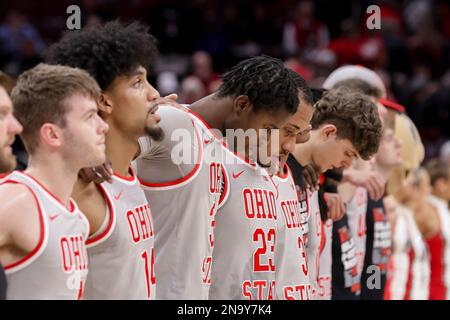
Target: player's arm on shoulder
x=19, y=216
x=90, y=200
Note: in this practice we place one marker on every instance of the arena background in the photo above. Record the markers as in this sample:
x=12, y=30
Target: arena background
x=200, y=39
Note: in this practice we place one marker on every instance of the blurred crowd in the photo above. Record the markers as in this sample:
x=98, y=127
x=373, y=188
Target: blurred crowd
x=200, y=39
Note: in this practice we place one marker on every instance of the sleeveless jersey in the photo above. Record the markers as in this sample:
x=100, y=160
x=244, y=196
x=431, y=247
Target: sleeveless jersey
x=291, y=266
x=356, y=215
x=313, y=243
x=58, y=266
x=184, y=210
x=440, y=253
x=419, y=279
x=245, y=235
x=325, y=261
x=122, y=256
x=399, y=267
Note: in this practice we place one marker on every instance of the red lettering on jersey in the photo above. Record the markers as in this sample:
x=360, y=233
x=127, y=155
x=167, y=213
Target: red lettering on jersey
x=378, y=215
x=73, y=253
x=248, y=202
x=299, y=292
x=291, y=213
x=246, y=286
x=260, y=213
x=215, y=177
x=140, y=223
x=206, y=269
x=258, y=289
x=259, y=204
x=344, y=235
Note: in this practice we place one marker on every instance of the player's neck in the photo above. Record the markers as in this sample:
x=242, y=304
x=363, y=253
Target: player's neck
x=120, y=150
x=384, y=171
x=212, y=110
x=56, y=175
x=302, y=153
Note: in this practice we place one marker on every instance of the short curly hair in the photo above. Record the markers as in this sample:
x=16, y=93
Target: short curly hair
x=355, y=117
x=106, y=51
x=265, y=81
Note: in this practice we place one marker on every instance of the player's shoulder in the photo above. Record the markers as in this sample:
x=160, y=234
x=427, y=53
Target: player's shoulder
x=17, y=197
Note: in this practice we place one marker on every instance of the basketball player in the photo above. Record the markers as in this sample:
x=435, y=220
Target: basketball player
x=378, y=231
x=291, y=270
x=42, y=232
x=259, y=93
x=334, y=143
x=409, y=271
x=185, y=195
x=408, y=275
x=120, y=244
x=439, y=173
x=9, y=128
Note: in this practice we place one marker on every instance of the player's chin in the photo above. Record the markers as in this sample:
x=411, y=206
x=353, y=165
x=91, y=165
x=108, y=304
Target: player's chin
x=155, y=132
x=7, y=163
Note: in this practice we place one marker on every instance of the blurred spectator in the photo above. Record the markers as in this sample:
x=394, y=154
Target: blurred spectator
x=355, y=47
x=191, y=90
x=304, y=31
x=202, y=68
x=20, y=42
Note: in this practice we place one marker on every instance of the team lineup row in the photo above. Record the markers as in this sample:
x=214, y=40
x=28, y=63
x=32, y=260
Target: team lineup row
x=107, y=210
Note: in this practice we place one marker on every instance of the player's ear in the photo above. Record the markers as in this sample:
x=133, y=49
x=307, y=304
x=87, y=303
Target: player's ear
x=51, y=135
x=105, y=104
x=241, y=104
x=329, y=130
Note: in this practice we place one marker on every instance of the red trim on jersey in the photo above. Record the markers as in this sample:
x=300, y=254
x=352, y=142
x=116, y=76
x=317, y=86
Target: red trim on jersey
x=388, y=286
x=409, y=281
x=131, y=178
x=436, y=246
x=285, y=172
x=185, y=178
x=220, y=139
x=71, y=208
x=102, y=235
x=225, y=190
x=41, y=232
x=3, y=175
x=322, y=238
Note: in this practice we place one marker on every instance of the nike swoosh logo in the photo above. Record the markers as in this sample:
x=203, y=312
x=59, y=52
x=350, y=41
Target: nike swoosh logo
x=53, y=217
x=118, y=196
x=237, y=175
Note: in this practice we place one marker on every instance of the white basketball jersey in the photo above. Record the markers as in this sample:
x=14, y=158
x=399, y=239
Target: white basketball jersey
x=57, y=268
x=122, y=256
x=325, y=261
x=444, y=215
x=399, y=264
x=419, y=264
x=356, y=213
x=184, y=211
x=313, y=242
x=291, y=266
x=243, y=256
